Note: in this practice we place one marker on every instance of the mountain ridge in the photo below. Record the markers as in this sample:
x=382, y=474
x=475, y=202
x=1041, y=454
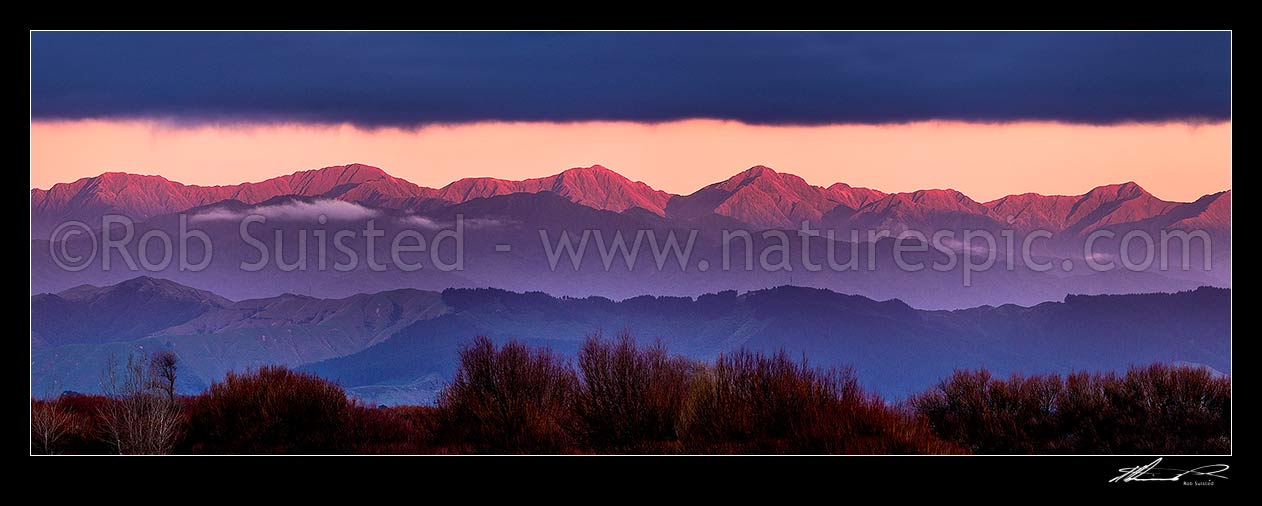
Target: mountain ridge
x=758, y=196
x=400, y=337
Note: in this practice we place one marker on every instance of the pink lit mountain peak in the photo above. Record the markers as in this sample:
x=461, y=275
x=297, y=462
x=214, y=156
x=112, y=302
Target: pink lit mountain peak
x=759, y=197
x=594, y=186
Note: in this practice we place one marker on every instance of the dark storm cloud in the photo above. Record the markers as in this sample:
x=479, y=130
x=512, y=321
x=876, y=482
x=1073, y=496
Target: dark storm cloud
x=376, y=79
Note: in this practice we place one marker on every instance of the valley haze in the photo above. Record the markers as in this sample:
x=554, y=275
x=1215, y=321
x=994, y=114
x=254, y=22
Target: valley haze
x=505, y=220
x=391, y=337
x=400, y=346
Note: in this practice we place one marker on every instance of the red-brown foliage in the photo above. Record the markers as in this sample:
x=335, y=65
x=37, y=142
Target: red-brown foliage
x=630, y=399
x=392, y=430
x=625, y=398
x=271, y=410
x=1154, y=409
x=753, y=403
x=509, y=400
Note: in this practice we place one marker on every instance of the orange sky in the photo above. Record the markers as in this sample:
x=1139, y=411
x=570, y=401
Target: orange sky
x=1174, y=161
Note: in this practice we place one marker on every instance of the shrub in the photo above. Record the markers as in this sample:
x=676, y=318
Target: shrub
x=509, y=400
x=1154, y=409
x=272, y=410
x=630, y=398
x=393, y=430
x=750, y=402
x=627, y=398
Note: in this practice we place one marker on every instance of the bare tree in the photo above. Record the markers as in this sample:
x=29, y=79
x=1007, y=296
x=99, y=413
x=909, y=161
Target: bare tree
x=141, y=417
x=162, y=367
x=49, y=423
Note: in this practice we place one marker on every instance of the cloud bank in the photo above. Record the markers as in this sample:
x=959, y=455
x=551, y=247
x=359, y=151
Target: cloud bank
x=331, y=210
x=407, y=79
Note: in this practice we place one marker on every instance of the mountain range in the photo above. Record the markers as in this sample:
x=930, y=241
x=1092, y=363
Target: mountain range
x=594, y=200
x=758, y=197
x=401, y=345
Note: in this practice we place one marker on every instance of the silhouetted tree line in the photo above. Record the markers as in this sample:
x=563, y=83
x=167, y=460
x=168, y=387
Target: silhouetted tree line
x=621, y=397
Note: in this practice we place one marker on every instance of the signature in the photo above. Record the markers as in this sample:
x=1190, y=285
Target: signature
x=1151, y=472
